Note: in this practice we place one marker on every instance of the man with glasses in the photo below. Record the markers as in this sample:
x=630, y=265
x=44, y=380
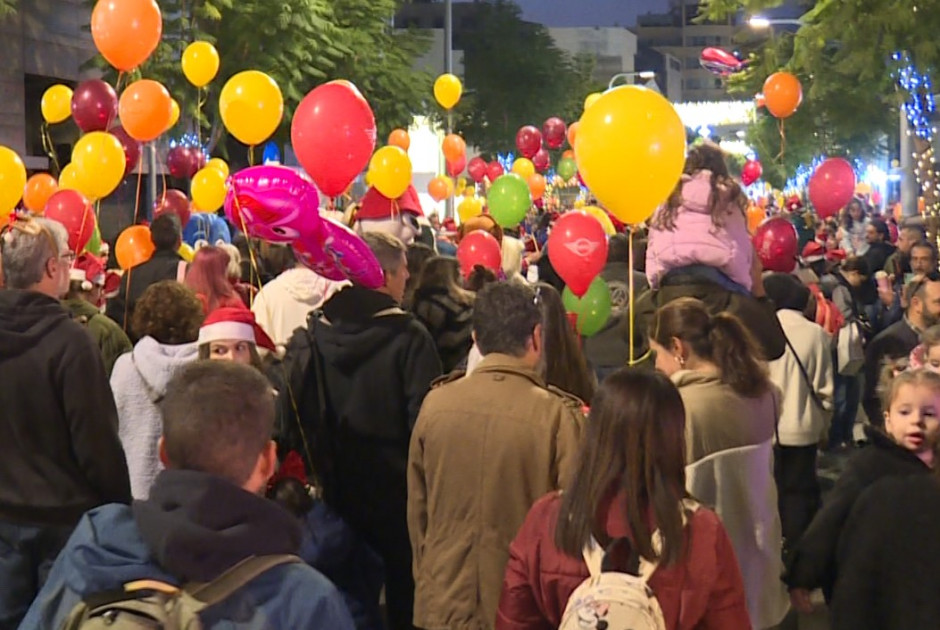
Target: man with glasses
x=59, y=445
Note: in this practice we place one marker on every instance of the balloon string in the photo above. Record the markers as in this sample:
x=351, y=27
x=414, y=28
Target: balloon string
x=127, y=305
x=251, y=155
x=199, y=103
x=140, y=177
x=117, y=84
x=49, y=147
x=630, y=293
x=783, y=141
x=251, y=250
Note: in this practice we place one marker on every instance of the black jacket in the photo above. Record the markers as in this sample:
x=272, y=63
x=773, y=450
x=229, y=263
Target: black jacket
x=610, y=347
x=377, y=364
x=889, y=558
x=59, y=449
x=813, y=562
x=894, y=342
x=877, y=255
x=164, y=265
x=449, y=321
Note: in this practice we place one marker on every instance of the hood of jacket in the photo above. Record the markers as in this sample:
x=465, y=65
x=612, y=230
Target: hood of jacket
x=81, y=308
x=696, y=191
x=157, y=363
x=356, y=323
x=197, y=525
x=305, y=285
x=25, y=318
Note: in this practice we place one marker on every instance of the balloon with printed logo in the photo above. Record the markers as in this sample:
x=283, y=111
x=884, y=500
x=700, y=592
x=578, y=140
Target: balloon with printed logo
x=251, y=106
x=479, y=248
x=454, y=147
x=542, y=161
x=145, y=109
x=94, y=105
x=528, y=141
x=400, y=138
x=476, y=168
x=776, y=243
x=509, y=199
x=175, y=202
x=12, y=180
x=536, y=185
x=130, y=147
x=99, y=158
x=219, y=164
x=553, y=131
x=523, y=167
x=39, y=188
x=200, y=63
x=437, y=188
x=831, y=186
x=782, y=94
x=592, y=309
x=751, y=172
x=494, y=170
x=567, y=168
x=208, y=190
x=391, y=171
x=577, y=249
x=133, y=247
x=74, y=211
x=126, y=32
x=56, y=104
x=447, y=90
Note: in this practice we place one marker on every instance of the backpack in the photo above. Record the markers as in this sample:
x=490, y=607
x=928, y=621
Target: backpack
x=828, y=314
x=153, y=605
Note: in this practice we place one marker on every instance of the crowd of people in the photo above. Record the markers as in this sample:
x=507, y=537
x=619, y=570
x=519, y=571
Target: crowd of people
x=445, y=452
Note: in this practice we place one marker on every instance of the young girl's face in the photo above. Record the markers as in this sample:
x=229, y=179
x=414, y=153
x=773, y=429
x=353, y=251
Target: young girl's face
x=932, y=359
x=913, y=420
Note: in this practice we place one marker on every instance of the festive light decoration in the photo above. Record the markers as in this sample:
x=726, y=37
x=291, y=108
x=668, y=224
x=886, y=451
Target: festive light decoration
x=696, y=115
x=920, y=107
x=190, y=140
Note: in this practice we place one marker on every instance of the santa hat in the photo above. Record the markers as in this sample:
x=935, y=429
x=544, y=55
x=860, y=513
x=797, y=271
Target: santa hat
x=112, y=283
x=234, y=323
x=813, y=252
x=374, y=206
x=793, y=203
x=88, y=270
x=835, y=255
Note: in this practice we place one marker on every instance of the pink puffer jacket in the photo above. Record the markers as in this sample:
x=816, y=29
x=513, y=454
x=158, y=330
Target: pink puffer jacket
x=696, y=240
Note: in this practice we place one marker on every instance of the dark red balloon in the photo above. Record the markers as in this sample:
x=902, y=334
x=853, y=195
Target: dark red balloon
x=751, y=172
x=72, y=210
x=554, y=131
x=184, y=162
x=542, y=161
x=776, y=243
x=174, y=201
x=494, y=171
x=577, y=249
x=479, y=248
x=529, y=141
x=456, y=168
x=131, y=148
x=477, y=169
x=831, y=186
x=94, y=105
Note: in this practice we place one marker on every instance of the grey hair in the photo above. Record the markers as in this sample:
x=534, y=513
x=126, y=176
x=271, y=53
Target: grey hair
x=25, y=255
x=388, y=249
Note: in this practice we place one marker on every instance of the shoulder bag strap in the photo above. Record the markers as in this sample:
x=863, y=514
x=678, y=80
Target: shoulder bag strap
x=593, y=555
x=809, y=383
x=238, y=576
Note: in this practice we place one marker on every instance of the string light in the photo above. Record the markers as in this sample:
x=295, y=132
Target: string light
x=919, y=108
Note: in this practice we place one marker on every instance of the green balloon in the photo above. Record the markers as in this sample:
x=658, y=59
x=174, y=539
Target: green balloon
x=94, y=243
x=567, y=168
x=509, y=200
x=593, y=310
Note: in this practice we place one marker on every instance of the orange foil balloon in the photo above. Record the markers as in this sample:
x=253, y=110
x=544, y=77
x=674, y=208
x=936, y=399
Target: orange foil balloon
x=133, y=246
x=454, y=148
x=572, y=132
x=39, y=189
x=782, y=94
x=145, y=110
x=126, y=32
x=400, y=138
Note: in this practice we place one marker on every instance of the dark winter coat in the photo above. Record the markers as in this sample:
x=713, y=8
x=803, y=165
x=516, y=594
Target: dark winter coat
x=164, y=265
x=813, y=562
x=610, y=348
x=112, y=341
x=59, y=444
x=877, y=256
x=449, y=321
x=894, y=342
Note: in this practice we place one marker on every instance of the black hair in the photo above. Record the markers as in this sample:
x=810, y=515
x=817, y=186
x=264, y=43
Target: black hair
x=786, y=291
x=505, y=315
x=165, y=232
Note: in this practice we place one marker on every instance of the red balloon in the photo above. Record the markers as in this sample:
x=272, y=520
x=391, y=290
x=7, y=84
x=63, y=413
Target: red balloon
x=542, y=161
x=333, y=134
x=831, y=186
x=477, y=169
x=529, y=141
x=751, y=172
x=494, y=171
x=72, y=210
x=479, y=248
x=456, y=168
x=554, y=130
x=174, y=201
x=184, y=162
x=577, y=249
x=94, y=105
x=777, y=244
x=131, y=148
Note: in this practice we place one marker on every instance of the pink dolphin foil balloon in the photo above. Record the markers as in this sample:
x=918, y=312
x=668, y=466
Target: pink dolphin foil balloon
x=338, y=253
x=273, y=203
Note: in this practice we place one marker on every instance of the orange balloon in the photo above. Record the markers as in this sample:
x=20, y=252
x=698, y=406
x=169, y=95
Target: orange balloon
x=454, y=148
x=755, y=216
x=145, y=109
x=782, y=94
x=537, y=186
x=568, y=154
x=133, y=246
x=126, y=32
x=438, y=189
x=400, y=138
x=572, y=132
x=38, y=190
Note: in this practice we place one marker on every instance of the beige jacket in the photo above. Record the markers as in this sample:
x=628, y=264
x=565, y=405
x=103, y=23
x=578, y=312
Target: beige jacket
x=484, y=448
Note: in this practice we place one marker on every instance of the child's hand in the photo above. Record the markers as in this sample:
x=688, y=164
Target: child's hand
x=757, y=278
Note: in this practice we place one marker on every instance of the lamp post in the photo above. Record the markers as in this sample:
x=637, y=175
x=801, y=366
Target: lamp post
x=645, y=74
x=449, y=69
x=759, y=23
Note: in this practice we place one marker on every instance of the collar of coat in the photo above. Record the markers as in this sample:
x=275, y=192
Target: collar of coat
x=507, y=364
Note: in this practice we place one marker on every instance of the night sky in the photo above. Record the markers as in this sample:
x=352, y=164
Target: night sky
x=589, y=12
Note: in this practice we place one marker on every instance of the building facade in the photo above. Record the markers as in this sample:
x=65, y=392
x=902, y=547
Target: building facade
x=613, y=49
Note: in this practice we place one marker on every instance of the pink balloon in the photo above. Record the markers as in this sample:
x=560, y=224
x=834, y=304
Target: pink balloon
x=776, y=243
x=577, y=249
x=479, y=248
x=542, y=161
x=273, y=203
x=477, y=169
x=528, y=141
x=831, y=187
x=554, y=131
x=338, y=253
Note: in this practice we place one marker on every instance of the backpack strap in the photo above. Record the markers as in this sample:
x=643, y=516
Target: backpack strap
x=204, y=595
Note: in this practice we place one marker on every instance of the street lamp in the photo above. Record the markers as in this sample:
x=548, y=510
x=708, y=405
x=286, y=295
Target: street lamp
x=760, y=23
x=645, y=74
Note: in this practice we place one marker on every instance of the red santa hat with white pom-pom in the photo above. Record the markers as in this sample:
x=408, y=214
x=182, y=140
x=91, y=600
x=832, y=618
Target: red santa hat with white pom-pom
x=88, y=270
x=234, y=324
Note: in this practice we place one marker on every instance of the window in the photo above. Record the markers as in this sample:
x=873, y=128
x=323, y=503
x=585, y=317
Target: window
x=674, y=64
x=691, y=63
x=698, y=41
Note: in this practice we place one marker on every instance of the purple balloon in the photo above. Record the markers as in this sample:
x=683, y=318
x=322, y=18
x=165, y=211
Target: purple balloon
x=94, y=105
x=338, y=253
x=273, y=203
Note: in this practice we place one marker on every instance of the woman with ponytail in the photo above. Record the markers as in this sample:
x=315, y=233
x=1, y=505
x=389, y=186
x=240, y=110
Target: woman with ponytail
x=731, y=415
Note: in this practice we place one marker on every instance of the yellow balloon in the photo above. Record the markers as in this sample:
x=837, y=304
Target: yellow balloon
x=447, y=90
x=461, y=182
x=524, y=168
x=174, y=113
x=590, y=100
x=218, y=164
x=470, y=191
x=186, y=252
x=57, y=104
x=208, y=190
x=99, y=161
x=391, y=171
x=602, y=217
x=630, y=151
x=450, y=185
x=69, y=178
x=251, y=105
x=12, y=180
x=200, y=63
x=470, y=207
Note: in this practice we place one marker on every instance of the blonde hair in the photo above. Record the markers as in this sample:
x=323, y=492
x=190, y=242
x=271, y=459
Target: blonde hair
x=892, y=382
x=930, y=338
x=234, y=269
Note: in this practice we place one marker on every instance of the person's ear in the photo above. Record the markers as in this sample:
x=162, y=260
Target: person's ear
x=678, y=348
x=537, y=339
x=161, y=450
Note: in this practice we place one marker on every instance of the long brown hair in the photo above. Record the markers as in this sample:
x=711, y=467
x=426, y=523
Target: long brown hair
x=633, y=443
x=721, y=339
x=705, y=156
x=562, y=362
x=440, y=272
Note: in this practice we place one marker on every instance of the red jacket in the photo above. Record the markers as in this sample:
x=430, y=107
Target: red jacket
x=705, y=592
